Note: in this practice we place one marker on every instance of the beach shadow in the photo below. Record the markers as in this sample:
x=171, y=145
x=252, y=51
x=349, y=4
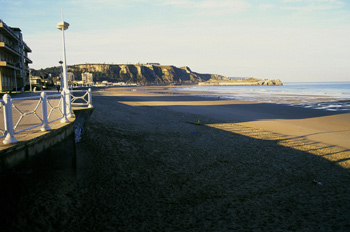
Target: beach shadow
x=225, y=114
x=159, y=169
x=332, y=153
x=221, y=176
x=231, y=110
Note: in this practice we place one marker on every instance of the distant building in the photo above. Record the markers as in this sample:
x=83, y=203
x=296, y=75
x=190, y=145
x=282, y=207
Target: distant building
x=56, y=80
x=48, y=81
x=87, y=78
x=71, y=77
x=14, y=61
x=37, y=81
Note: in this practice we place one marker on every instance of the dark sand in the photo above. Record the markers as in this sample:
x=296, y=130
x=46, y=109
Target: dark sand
x=185, y=163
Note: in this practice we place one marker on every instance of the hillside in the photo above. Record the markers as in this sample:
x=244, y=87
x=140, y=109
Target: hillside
x=146, y=74
x=134, y=73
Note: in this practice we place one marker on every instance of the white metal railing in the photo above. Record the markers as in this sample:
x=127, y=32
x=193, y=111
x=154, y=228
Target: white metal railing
x=2, y=131
x=84, y=99
x=37, y=111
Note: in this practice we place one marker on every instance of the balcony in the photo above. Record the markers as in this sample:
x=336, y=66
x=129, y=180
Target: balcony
x=8, y=65
x=9, y=48
x=4, y=29
x=28, y=60
x=26, y=48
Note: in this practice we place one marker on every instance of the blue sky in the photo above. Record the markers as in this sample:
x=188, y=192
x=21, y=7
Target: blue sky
x=293, y=40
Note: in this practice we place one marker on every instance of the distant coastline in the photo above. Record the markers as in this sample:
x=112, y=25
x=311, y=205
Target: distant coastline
x=241, y=82
x=330, y=96
x=145, y=74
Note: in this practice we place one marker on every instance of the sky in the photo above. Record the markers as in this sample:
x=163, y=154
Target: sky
x=290, y=40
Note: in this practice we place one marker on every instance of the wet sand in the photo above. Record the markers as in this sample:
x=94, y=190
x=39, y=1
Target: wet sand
x=173, y=162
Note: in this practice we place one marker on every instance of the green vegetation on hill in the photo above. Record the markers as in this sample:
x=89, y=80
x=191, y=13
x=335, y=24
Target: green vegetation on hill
x=44, y=73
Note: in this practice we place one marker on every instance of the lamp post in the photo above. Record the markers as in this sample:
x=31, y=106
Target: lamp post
x=61, y=75
x=30, y=80
x=64, y=26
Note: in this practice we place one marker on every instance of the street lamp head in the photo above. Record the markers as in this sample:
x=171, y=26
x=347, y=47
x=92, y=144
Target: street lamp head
x=62, y=25
x=61, y=62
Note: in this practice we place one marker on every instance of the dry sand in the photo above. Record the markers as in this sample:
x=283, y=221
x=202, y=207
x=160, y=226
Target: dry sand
x=184, y=163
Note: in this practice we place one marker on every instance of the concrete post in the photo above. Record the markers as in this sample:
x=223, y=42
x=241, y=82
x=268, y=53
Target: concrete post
x=9, y=131
x=15, y=80
x=68, y=104
x=64, y=119
x=45, y=126
x=90, y=98
x=64, y=26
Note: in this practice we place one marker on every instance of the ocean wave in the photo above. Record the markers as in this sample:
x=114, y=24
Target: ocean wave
x=331, y=97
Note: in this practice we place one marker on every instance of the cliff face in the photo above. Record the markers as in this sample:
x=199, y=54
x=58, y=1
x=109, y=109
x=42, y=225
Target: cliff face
x=144, y=74
x=150, y=74
x=271, y=82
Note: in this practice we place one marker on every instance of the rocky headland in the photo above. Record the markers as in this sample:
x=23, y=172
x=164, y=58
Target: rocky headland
x=151, y=73
x=243, y=81
x=141, y=73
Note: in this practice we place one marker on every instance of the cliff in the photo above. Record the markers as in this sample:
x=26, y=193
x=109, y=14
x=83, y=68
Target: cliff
x=142, y=73
x=270, y=82
x=149, y=74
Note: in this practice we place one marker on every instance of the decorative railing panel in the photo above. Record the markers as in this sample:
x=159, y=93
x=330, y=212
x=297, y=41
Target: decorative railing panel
x=26, y=113
x=22, y=114
x=81, y=98
x=54, y=107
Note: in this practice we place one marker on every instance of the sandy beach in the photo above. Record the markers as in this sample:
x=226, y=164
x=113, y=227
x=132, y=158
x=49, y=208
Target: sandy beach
x=152, y=159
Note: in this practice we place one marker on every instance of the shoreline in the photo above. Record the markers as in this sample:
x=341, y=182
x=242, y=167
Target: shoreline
x=306, y=100
x=329, y=125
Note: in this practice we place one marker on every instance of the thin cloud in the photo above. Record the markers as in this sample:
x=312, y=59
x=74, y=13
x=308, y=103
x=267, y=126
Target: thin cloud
x=312, y=5
x=286, y=1
x=220, y=6
x=102, y=3
x=265, y=6
x=11, y=2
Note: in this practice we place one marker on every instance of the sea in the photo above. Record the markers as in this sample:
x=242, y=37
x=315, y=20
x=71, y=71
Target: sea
x=330, y=96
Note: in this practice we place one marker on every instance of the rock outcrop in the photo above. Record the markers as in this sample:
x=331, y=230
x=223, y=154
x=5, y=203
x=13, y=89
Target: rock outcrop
x=270, y=82
x=142, y=74
x=150, y=74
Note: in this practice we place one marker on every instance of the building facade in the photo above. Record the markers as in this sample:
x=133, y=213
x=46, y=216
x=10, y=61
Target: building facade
x=87, y=78
x=14, y=61
x=71, y=78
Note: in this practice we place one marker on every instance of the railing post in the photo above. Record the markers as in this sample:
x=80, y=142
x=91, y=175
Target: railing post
x=45, y=126
x=64, y=119
x=69, y=104
x=90, y=98
x=9, y=138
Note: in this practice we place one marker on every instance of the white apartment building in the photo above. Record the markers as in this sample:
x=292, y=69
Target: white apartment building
x=71, y=77
x=14, y=61
x=87, y=78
